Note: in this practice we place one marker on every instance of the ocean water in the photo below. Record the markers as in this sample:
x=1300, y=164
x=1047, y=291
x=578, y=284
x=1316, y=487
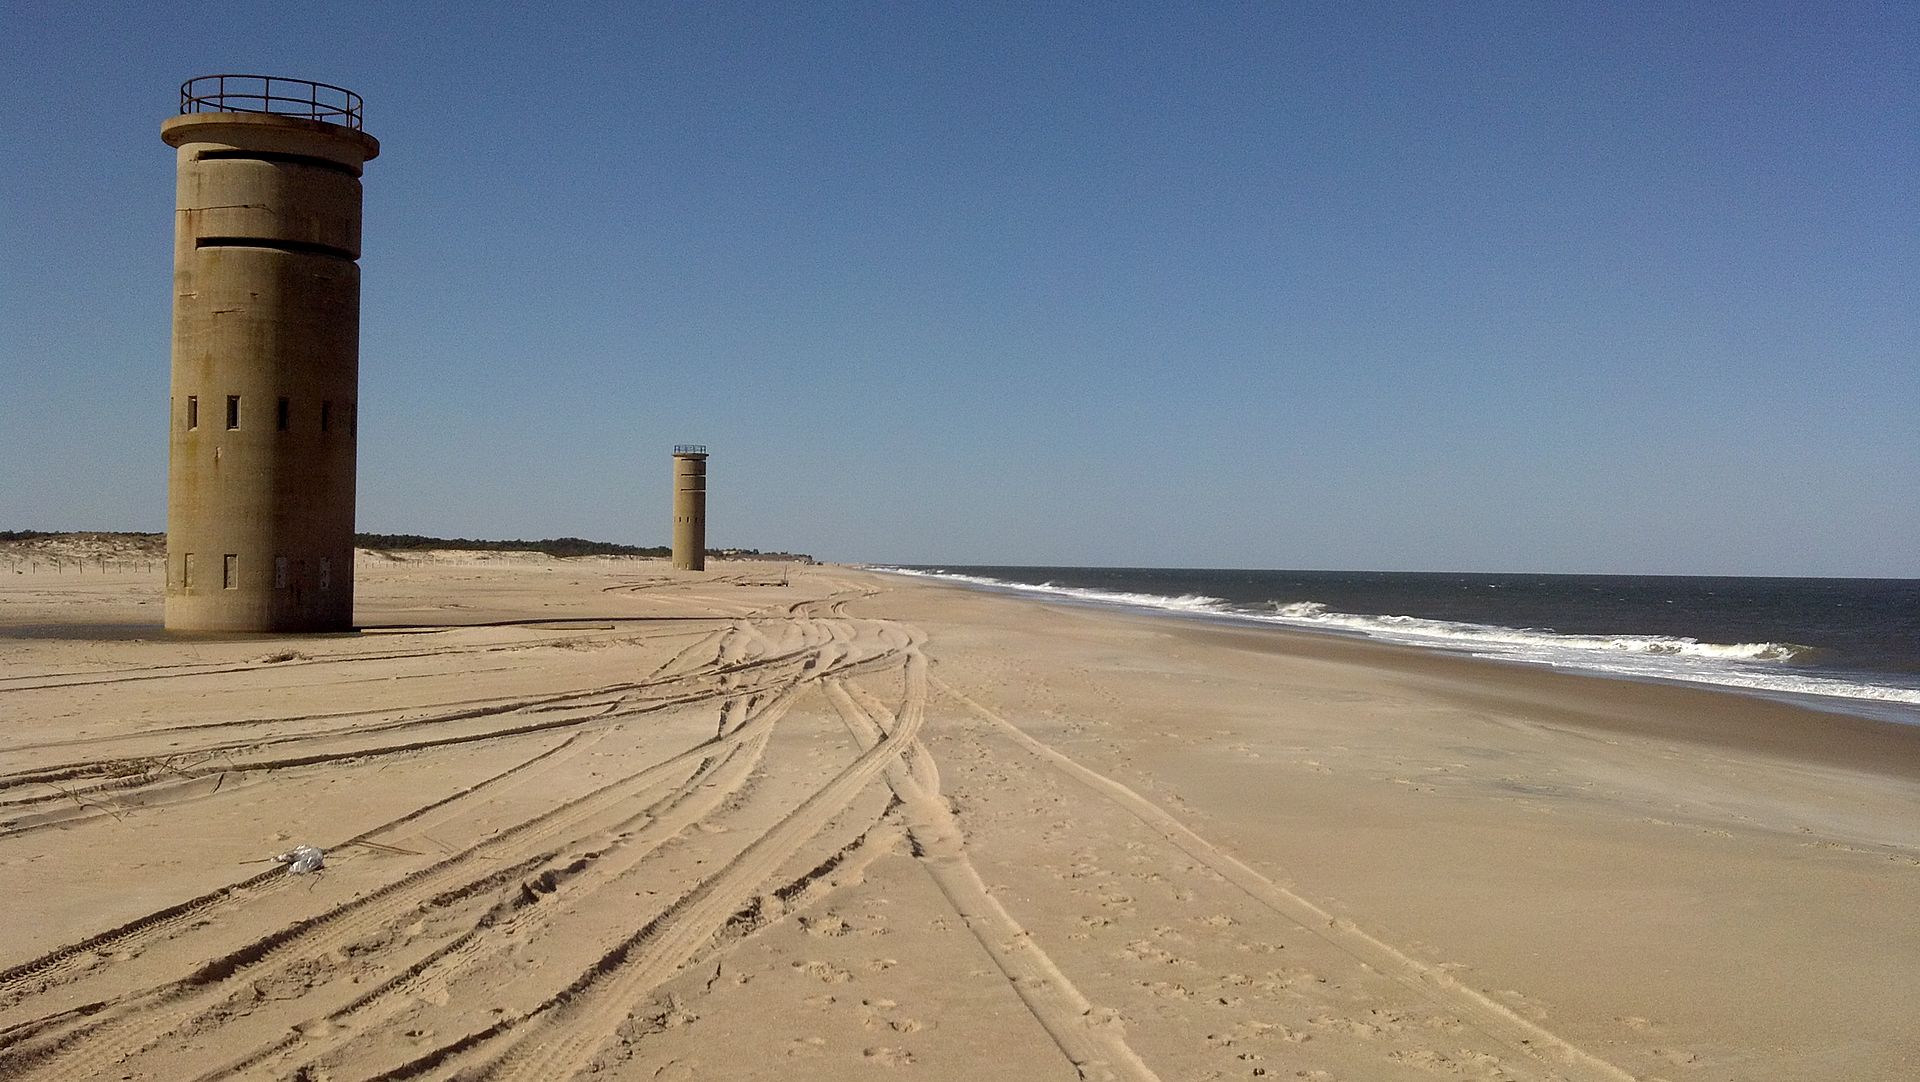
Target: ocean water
x=1839, y=644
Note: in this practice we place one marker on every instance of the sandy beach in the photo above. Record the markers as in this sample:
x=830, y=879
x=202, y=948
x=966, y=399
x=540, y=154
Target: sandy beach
x=595, y=816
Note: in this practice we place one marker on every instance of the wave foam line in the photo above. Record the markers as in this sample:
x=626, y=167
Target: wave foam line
x=1183, y=603
x=1750, y=666
x=1314, y=613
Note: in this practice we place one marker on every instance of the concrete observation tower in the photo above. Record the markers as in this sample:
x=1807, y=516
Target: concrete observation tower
x=690, y=507
x=266, y=354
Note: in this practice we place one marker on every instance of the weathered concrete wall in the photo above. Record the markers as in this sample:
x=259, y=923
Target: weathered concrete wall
x=266, y=317
x=690, y=512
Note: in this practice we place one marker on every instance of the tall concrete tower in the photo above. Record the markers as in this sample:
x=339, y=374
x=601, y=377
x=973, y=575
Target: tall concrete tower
x=690, y=507
x=266, y=354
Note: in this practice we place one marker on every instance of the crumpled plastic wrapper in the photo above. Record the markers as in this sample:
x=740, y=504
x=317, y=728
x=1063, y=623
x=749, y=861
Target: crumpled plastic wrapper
x=302, y=859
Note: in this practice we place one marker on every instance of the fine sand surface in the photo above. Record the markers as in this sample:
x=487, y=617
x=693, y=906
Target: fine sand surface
x=595, y=816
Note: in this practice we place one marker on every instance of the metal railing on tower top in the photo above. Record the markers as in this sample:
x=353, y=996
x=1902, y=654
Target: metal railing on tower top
x=271, y=94
x=689, y=448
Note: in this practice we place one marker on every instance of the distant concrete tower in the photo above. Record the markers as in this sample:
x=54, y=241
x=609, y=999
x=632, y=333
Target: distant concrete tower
x=690, y=507
x=266, y=354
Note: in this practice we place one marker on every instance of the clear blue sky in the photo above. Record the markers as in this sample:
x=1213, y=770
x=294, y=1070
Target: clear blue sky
x=1548, y=287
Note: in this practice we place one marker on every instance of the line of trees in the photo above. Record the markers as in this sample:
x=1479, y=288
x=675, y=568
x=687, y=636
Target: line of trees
x=553, y=546
x=34, y=535
x=403, y=542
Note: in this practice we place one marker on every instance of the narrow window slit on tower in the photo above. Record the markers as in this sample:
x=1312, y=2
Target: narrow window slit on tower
x=279, y=158
x=299, y=247
x=279, y=572
x=326, y=416
x=193, y=411
x=233, y=411
x=280, y=415
x=230, y=572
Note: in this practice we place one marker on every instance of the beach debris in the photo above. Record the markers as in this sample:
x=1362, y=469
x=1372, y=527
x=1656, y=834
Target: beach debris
x=301, y=859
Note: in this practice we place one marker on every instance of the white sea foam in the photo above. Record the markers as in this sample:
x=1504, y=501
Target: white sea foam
x=1194, y=603
x=1754, y=666
x=1314, y=614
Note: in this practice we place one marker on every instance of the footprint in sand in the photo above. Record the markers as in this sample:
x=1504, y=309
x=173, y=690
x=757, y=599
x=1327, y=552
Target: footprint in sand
x=828, y=925
x=1288, y=980
x=1425, y=1059
x=806, y=1046
x=824, y=971
x=1104, y=1018
x=878, y=1014
x=1351, y=1026
x=1489, y=1065
x=1142, y=951
x=1252, y=1029
x=888, y=1057
x=1376, y=1025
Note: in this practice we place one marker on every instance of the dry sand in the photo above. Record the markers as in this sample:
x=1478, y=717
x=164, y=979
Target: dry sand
x=595, y=816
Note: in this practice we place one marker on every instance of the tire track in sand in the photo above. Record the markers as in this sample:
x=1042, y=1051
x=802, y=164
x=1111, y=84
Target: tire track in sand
x=517, y=918
x=1093, y=1040
x=124, y=774
x=68, y=962
x=190, y=670
x=1529, y=1041
x=560, y=1036
x=129, y=1024
x=625, y=704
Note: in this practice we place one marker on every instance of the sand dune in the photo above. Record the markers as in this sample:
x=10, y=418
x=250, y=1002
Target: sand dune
x=592, y=816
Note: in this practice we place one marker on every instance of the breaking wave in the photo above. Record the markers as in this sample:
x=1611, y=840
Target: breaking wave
x=1194, y=603
x=1763, y=667
x=1314, y=614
